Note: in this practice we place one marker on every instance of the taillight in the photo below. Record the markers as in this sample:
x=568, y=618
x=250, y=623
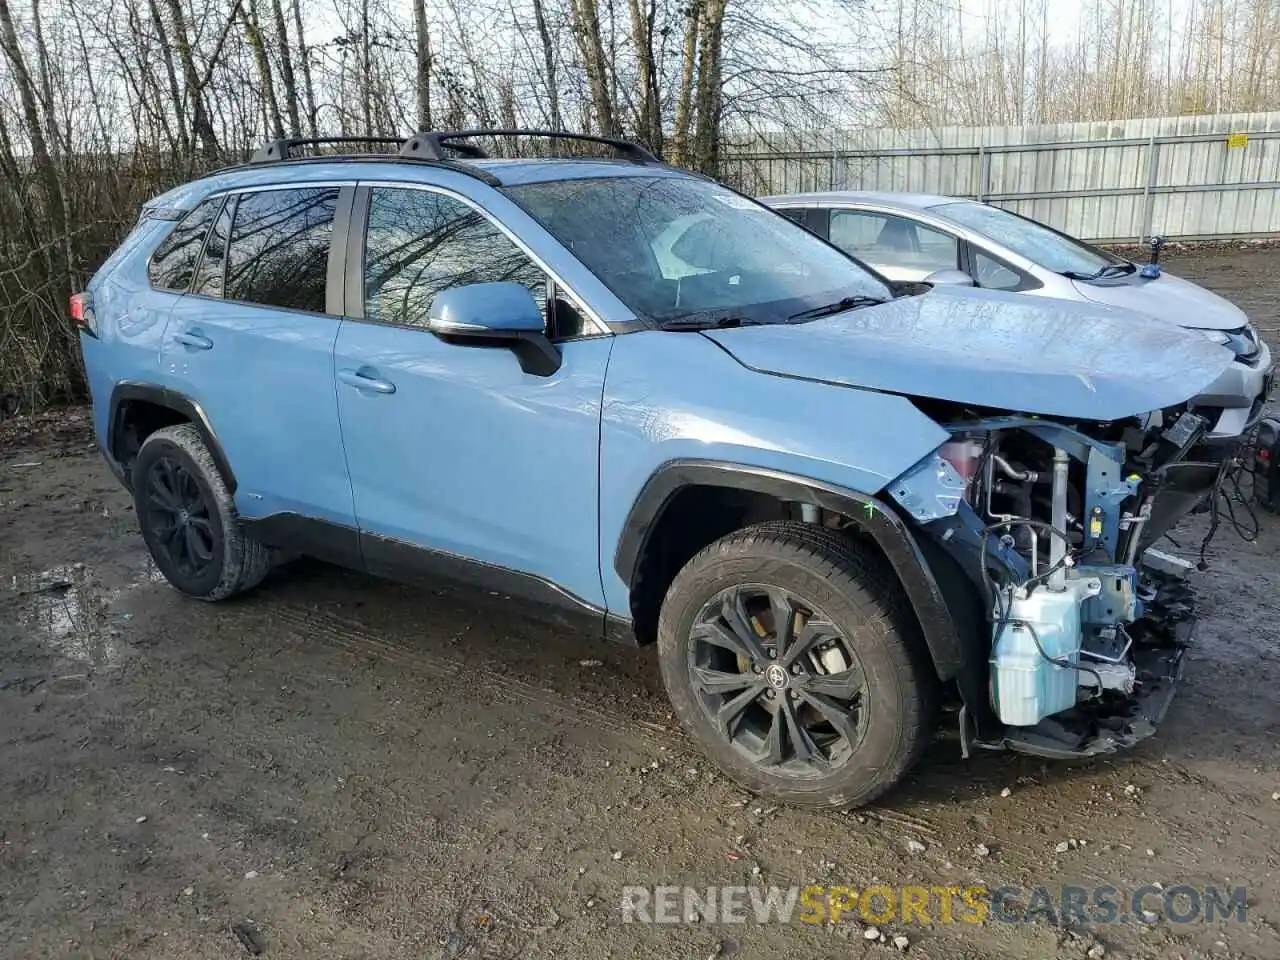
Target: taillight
x=82, y=313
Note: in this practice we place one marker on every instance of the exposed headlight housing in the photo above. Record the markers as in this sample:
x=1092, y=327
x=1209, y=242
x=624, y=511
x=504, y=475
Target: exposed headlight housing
x=1217, y=336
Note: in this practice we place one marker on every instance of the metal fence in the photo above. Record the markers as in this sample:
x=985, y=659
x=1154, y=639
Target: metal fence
x=1194, y=178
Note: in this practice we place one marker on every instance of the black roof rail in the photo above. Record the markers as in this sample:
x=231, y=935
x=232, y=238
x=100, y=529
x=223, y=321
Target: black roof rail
x=277, y=151
x=283, y=149
x=433, y=144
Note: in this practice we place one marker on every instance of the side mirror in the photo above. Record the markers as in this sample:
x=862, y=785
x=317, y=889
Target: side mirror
x=485, y=310
x=495, y=315
x=949, y=278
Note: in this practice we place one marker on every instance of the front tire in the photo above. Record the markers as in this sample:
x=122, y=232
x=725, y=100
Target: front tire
x=189, y=520
x=791, y=654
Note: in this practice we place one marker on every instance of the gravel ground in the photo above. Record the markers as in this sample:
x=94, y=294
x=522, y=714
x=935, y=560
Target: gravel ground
x=339, y=767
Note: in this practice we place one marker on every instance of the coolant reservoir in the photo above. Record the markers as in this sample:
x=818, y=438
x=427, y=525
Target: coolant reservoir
x=1025, y=686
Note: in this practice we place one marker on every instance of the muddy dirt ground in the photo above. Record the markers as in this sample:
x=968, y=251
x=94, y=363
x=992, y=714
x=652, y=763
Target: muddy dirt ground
x=339, y=767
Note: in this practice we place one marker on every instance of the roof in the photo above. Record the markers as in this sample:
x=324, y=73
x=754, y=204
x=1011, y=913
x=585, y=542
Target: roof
x=458, y=174
x=917, y=201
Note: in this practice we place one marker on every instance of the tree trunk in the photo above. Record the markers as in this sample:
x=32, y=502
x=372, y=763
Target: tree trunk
x=423, y=57
x=304, y=55
x=46, y=80
x=175, y=91
x=201, y=123
x=708, y=98
x=684, y=96
x=549, y=64
x=586, y=29
x=649, y=120
x=366, y=69
x=253, y=34
x=286, y=69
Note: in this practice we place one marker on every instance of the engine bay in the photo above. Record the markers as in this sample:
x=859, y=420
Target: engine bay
x=1054, y=525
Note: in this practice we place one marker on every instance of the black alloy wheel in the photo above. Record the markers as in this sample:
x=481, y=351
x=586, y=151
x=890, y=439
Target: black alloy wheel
x=178, y=515
x=778, y=680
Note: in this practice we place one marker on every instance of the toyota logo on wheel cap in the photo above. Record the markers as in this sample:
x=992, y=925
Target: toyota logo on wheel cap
x=776, y=676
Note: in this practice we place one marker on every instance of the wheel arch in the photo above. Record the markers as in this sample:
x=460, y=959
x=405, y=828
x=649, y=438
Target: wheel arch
x=653, y=510
x=152, y=406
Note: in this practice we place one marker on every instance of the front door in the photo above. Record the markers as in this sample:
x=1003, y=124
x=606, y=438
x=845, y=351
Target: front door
x=461, y=462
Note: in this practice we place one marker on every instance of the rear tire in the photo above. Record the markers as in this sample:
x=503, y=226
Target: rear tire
x=189, y=520
x=831, y=711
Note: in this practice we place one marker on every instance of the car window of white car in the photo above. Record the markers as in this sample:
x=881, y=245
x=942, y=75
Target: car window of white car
x=992, y=274
x=1040, y=244
x=887, y=241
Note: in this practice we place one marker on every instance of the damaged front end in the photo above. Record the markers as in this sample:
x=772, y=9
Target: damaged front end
x=1052, y=524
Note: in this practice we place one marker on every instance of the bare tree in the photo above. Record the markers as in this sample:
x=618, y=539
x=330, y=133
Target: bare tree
x=586, y=30
x=422, y=59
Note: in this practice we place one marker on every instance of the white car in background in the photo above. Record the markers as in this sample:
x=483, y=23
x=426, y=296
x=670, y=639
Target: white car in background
x=936, y=239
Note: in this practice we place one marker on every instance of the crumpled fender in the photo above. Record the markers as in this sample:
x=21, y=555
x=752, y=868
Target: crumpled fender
x=679, y=397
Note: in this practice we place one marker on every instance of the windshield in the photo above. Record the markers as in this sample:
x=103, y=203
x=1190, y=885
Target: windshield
x=1041, y=245
x=673, y=247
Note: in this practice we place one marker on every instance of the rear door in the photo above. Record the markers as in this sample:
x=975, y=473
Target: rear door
x=252, y=345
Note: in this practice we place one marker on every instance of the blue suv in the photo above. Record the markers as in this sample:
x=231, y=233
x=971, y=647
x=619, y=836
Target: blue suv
x=653, y=408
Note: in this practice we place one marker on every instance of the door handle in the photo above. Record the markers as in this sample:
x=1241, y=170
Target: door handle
x=357, y=379
x=193, y=340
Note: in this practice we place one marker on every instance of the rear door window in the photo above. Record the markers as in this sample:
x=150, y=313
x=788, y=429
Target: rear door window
x=174, y=263
x=213, y=264
x=278, y=254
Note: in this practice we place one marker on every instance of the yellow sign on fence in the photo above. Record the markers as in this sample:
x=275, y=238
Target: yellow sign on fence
x=1237, y=141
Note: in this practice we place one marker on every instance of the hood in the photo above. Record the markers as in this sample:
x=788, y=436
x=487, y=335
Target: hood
x=1166, y=298
x=1021, y=354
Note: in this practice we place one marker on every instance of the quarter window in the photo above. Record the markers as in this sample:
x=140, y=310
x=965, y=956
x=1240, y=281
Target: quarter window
x=279, y=250
x=887, y=241
x=994, y=275
x=420, y=243
x=174, y=262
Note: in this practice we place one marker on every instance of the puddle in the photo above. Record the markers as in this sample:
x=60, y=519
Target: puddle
x=69, y=612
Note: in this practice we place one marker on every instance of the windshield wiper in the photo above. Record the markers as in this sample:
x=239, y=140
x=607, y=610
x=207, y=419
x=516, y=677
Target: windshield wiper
x=1110, y=270
x=840, y=306
x=704, y=320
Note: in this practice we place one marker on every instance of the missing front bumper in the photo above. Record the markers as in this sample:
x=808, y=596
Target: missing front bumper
x=1088, y=731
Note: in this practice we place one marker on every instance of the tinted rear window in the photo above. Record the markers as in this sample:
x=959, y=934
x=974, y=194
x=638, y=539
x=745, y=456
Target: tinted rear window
x=279, y=250
x=174, y=262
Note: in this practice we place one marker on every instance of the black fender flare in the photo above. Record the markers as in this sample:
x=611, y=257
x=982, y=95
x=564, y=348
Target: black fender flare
x=872, y=515
x=126, y=391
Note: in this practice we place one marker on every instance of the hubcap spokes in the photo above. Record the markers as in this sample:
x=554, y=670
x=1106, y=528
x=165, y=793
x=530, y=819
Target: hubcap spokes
x=179, y=517
x=777, y=679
